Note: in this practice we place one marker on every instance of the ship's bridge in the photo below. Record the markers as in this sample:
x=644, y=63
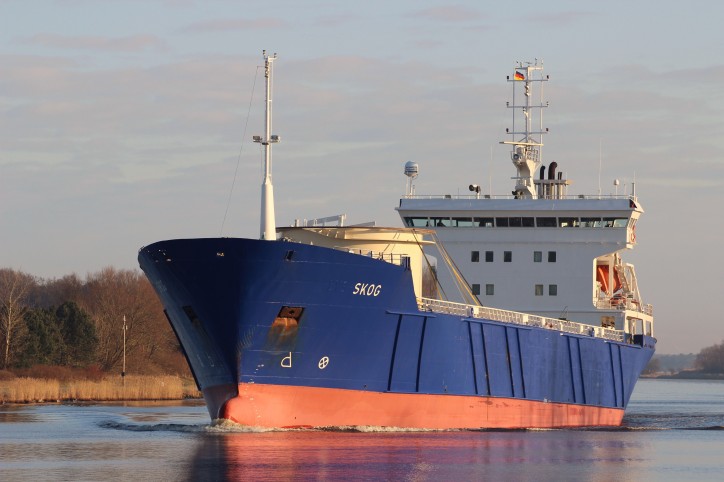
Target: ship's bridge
x=609, y=219
x=554, y=257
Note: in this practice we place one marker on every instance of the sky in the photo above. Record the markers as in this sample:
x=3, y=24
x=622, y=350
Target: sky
x=124, y=122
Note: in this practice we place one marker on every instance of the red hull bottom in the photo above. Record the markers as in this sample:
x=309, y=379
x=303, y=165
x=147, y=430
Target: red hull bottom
x=289, y=406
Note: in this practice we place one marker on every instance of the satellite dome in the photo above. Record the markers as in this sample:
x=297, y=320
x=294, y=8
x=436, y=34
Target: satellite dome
x=411, y=169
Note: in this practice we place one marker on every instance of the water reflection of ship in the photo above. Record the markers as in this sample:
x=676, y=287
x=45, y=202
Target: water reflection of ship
x=319, y=455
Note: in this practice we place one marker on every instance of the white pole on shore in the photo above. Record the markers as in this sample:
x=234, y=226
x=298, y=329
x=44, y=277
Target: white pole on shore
x=123, y=373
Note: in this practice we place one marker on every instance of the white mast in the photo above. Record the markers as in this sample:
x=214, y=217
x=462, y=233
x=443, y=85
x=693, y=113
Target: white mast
x=268, y=223
x=527, y=143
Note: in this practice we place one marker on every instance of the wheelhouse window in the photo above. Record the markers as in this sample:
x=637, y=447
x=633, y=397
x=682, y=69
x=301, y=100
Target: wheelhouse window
x=620, y=222
x=462, y=222
x=546, y=222
x=568, y=222
x=416, y=222
x=441, y=222
x=515, y=222
x=591, y=222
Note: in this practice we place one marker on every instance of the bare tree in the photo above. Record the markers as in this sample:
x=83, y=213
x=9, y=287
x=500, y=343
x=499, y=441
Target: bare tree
x=112, y=294
x=15, y=287
x=711, y=359
x=57, y=291
x=106, y=296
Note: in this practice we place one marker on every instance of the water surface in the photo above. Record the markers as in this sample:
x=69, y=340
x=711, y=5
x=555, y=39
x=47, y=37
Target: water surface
x=673, y=430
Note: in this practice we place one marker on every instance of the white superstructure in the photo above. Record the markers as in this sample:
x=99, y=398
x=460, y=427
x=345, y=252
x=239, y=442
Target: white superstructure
x=540, y=250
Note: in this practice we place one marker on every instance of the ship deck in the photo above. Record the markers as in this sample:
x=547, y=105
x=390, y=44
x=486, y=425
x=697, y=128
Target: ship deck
x=525, y=319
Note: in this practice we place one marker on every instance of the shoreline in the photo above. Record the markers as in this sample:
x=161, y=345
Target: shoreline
x=24, y=390
x=140, y=403
x=685, y=375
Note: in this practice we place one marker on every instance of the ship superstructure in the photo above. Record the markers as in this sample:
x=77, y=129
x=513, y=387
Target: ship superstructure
x=540, y=250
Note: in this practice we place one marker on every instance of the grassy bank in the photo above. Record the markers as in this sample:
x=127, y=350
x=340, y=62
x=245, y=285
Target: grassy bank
x=26, y=390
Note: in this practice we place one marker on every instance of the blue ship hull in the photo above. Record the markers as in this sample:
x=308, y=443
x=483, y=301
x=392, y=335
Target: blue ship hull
x=285, y=334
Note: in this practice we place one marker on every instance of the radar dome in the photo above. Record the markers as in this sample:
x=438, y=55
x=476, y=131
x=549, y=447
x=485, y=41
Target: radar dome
x=411, y=169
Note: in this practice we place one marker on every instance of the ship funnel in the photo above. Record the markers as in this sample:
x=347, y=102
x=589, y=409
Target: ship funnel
x=552, y=170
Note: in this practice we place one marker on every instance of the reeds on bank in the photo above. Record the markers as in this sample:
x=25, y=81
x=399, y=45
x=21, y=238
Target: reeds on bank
x=132, y=387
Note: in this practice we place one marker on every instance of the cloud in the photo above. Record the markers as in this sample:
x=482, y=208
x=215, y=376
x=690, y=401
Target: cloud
x=223, y=24
x=692, y=79
x=153, y=135
x=453, y=13
x=133, y=43
x=335, y=20
x=559, y=18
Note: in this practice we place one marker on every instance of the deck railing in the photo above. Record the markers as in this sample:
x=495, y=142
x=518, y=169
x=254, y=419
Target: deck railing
x=392, y=258
x=513, y=317
x=508, y=196
x=624, y=304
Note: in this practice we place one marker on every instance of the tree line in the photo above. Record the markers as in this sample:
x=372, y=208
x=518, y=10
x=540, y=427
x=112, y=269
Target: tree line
x=711, y=359
x=709, y=362
x=80, y=323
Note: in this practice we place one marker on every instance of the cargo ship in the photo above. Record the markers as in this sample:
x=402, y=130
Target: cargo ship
x=339, y=326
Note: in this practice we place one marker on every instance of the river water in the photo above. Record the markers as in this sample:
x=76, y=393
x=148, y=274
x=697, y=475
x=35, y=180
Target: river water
x=673, y=430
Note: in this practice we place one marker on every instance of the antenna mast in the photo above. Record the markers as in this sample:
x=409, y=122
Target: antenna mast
x=268, y=222
x=528, y=140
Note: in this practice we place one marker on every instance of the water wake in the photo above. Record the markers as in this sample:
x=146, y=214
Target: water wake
x=158, y=427
x=222, y=426
x=227, y=426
